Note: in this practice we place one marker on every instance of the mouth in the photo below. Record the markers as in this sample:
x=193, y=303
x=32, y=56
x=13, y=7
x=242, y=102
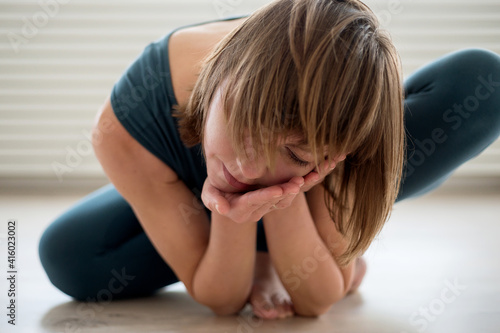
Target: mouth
x=233, y=182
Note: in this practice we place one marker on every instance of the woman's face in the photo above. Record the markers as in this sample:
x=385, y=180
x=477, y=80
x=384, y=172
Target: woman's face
x=230, y=173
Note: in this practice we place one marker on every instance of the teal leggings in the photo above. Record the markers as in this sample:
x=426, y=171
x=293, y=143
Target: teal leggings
x=98, y=251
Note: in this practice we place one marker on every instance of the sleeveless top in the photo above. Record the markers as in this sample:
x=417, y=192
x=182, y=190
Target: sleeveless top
x=142, y=100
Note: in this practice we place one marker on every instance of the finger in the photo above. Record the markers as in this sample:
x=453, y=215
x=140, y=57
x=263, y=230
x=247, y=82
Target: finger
x=286, y=200
x=292, y=187
x=263, y=196
x=316, y=176
x=340, y=158
x=266, y=208
x=311, y=179
x=289, y=190
x=325, y=167
x=310, y=184
x=297, y=180
x=214, y=200
x=251, y=206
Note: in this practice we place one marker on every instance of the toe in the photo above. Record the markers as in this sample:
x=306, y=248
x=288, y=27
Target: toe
x=283, y=306
x=265, y=312
x=360, y=272
x=263, y=307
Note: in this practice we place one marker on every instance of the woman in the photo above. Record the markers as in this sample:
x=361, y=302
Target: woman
x=289, y=125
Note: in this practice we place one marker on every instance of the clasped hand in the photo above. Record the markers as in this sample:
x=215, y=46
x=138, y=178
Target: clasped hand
x=253, y=205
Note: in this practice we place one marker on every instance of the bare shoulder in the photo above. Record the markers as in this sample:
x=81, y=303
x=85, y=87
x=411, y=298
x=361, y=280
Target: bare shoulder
x=188, y=47
x=127, y=164
x=124, y=160
x=203, y=37
x=155, y=194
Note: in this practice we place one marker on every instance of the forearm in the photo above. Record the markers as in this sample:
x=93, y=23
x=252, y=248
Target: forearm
x=223, y=278
x=308, y=271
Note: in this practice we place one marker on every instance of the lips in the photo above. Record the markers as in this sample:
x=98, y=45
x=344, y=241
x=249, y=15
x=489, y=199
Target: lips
x=232, y=181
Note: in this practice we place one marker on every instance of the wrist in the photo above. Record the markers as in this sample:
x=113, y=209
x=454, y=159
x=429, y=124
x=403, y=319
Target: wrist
x=225, y=223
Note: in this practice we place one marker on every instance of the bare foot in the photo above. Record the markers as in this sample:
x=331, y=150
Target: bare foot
x=269, y=298
x=359, y=273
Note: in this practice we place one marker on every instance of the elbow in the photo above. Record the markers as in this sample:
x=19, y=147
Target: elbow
x=317, y=301
x=316, y=307
x=220, y=307
x=311, y=310
x=227, y=310
x=221, y=304
x=223, y=301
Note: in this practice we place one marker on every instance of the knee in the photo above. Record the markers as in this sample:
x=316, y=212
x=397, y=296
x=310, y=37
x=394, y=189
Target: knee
x=484, y=60
x=471, y=67
x=59, y=260
x=51, y=256
x=478, y=72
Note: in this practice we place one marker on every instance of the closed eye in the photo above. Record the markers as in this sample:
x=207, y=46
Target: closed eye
x=297, y=160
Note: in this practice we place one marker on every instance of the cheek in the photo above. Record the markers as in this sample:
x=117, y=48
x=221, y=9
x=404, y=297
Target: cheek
x=286, y=171
x=215, y=141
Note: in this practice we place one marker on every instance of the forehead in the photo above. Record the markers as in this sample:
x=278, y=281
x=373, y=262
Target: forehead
x=296, y=140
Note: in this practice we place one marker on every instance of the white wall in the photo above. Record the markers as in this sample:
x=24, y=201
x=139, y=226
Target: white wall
x=60, y=59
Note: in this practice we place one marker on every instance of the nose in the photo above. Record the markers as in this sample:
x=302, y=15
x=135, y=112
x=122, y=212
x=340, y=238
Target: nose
x=251, y=168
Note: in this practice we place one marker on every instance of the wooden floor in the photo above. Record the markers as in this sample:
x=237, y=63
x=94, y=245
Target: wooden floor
x=434, y=268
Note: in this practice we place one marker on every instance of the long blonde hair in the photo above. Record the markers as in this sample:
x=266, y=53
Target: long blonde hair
x=326, y=69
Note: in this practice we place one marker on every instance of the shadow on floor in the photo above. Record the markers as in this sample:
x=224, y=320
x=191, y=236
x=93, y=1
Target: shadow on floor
x=174, y=311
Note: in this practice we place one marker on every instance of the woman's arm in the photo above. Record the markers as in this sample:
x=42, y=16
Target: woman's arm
x=224, y=275
x=232, y=239
x=175, y=222
x=301, y=240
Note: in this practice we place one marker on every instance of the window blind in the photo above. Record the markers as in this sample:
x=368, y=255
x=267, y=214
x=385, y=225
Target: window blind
x=59, y=60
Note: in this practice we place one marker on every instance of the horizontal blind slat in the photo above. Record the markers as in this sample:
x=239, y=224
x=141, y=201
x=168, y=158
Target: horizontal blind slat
x=53, y=83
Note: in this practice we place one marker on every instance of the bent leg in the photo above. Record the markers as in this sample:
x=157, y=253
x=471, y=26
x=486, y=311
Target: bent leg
x=97, y=250
x=452, y=113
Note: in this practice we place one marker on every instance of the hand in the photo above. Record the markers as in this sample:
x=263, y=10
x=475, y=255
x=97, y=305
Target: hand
x=252, y=205
x=315, y=177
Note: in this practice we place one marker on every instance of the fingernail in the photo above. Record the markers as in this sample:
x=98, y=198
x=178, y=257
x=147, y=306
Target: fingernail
x=217, y=207
x=267, y=307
